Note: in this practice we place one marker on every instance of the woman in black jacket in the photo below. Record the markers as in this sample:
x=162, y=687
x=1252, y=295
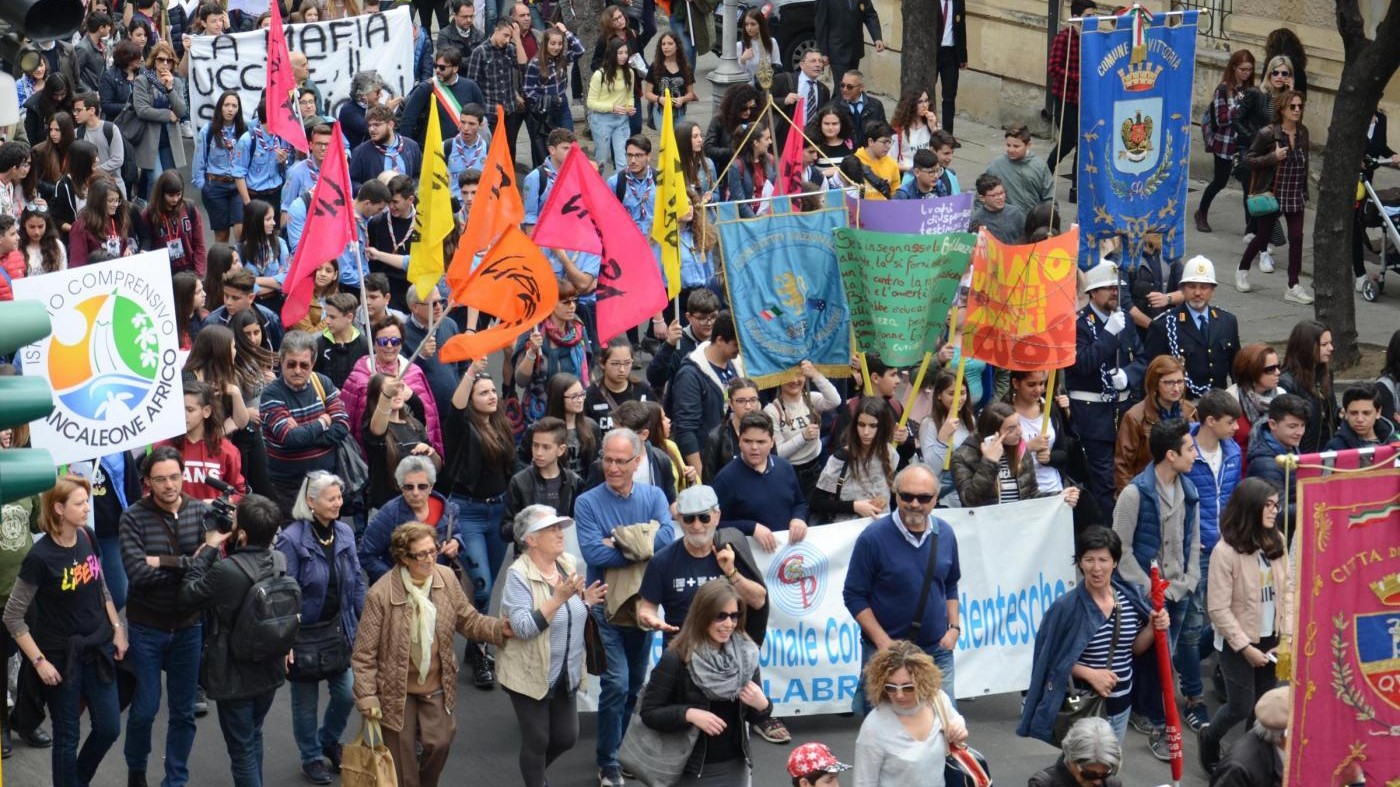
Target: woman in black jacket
x=737, y=109
x=1307, y=372
x=709, y=678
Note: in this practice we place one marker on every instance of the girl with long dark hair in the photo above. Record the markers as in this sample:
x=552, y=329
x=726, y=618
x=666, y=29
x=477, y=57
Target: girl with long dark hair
x=203, y=445
x=613, y=28
x=756, y=44
x=51, y=156
x=797, y=421
x=859, y=474
x=175, y=225
x=993, y=465
x=54, y=97
x=611, y=106
x=913, y=122
x=216, y=165
x=737, y=110
x=669, y=71
x=943, y=430
x=70, y=193
x=753, y=174
x=220, y=259
x=699, y=170
x=189, y=305
x=546, y=86
x=103, y=223
x=264, y=252
x=1307, y=372
x=564, y=399
x=1222, y=138
x=256, y=365
x=1250, y=591
x=41, y=247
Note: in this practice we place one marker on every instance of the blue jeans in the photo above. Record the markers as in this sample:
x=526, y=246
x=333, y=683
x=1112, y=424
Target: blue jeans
x=1151, y=706
x=305, y=701
x=165, y=159
x=610, y=132
x=627, y=648
x=941, y=657
x=1119, y=723
x=484, y=551
x=113, y=571
x=241, y=722
x=177, y=654
x=1194, y=641
x=73, y=767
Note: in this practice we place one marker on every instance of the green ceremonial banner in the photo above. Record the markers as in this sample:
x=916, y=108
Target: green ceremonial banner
x=900, y=287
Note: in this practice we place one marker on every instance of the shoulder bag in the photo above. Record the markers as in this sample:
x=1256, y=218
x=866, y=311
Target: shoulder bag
x=131, y=125
x=928, y=582
x=595, y=655
x=656, y=758
x=964, y=766
x=349, y=465
x=1085, y=703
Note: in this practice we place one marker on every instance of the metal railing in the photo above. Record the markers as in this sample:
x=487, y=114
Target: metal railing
x=1213, y=24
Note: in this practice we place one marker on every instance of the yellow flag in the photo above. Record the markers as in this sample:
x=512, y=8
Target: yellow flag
x=671, y=203
x=434, y=221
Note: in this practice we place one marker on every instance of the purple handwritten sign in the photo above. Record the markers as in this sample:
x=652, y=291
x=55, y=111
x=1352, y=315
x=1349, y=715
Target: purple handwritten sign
x=913, y=216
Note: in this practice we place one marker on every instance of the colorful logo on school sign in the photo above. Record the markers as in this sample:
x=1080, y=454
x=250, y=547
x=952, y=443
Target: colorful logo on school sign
x=113, y=358
x=797, y=579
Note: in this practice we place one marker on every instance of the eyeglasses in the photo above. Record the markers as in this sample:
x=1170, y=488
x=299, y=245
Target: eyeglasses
x=575, y=397
x=1272, y=368
x=388, y=341
x=612, y=461
x=165, y=60
x=703, y=317
x=425, y=555
x=1096, y=775
x=849, y=86
x=619, y=364
x=911, y=497
x=166, y=479
x=1172, y=383
x=899, y=688
x=1280, y=73
x=1271, y=504
x=744, y=400
x=691, y=519
x=416, y=487
x=721, y=617
x=289, y=365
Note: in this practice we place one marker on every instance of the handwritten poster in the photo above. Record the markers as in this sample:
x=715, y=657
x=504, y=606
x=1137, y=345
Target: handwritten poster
x=900, y=288
x=1020, y=310
x=917, y=216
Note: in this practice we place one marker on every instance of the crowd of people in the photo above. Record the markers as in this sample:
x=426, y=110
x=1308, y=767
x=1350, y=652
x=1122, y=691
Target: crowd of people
x=668, y=462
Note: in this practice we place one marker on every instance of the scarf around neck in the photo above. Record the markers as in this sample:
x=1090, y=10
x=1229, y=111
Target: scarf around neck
x=423, y=624
x=722, y=671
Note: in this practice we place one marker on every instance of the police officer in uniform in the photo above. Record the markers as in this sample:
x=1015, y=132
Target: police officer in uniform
x=1107, y=372
x=1204, y=337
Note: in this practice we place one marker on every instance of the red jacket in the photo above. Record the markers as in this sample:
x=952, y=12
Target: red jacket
x=14, y=267
x=225, y=464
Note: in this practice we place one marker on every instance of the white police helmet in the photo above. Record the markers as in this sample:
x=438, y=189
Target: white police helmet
x=1199, y=270
x=1105, y=274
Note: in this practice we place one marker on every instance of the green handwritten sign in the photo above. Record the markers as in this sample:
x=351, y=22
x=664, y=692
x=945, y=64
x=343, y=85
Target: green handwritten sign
x=900, y=287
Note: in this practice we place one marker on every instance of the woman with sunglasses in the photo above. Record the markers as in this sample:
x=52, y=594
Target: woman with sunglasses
x=1256, y=375
x=388, y=359
x=905, y=739
x=558, y=344
x=1090, y=639
x=1089, y=757
x=158, y=96
x=1278, y=163
x=1257, y=112
x=1250, y=595
x=390, y=429
x=709, y=678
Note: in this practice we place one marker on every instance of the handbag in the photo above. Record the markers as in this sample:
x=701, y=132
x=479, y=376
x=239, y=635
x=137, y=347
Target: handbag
x=595, y=656
x=1261, y=204
x=964, y=765
x=320, y=652
x=366, y=761
x=349, y=464
x=657, y=759
x=1085, y=703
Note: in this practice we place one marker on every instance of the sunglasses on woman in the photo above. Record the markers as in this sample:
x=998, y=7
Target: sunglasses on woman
x=388, y=341
x=899, y=688
x=721, y=617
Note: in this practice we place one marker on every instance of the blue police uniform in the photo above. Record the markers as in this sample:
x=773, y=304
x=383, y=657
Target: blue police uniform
x=1095, y=404
x=1208, y=352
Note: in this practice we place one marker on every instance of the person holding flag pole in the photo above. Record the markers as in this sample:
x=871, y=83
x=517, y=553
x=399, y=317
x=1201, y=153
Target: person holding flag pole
x=433, y=222
x=672, y=205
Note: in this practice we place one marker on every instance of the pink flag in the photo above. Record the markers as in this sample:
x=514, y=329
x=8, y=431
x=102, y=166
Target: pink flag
x=790, y=164
x=330, y=227
x=582, y=214
x=282, y=117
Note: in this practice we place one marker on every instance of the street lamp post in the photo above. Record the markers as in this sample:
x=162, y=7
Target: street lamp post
x=728, y=72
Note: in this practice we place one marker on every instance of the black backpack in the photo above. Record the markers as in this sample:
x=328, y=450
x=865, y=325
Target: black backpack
x=268, y=620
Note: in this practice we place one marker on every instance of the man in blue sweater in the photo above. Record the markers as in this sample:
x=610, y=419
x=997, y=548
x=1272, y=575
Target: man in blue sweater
x=889, y=569
x=759, y=492
x=597, y=512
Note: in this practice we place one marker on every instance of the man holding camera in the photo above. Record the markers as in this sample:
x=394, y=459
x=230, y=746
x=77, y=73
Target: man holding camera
x=159, y=535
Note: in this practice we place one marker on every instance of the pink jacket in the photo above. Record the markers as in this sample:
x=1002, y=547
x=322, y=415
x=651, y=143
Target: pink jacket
x=356, y=387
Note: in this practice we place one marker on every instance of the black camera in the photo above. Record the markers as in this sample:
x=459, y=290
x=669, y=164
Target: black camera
x=220, y=513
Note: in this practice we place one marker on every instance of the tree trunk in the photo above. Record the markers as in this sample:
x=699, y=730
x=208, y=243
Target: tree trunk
x=585, y=26
x=919, y=62
x=1368, y=66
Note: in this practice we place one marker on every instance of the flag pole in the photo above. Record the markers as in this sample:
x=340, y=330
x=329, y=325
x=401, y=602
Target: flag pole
x=1049, y=400
x=418, y=351
x=914, y=392
x=364, y=296
x=952, y=412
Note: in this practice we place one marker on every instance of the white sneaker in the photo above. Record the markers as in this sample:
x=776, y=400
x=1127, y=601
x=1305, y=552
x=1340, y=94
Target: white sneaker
x=1242, y=281
x=1297, y=294
x=1361, y=282
x=186, y=129
x=1266, y=261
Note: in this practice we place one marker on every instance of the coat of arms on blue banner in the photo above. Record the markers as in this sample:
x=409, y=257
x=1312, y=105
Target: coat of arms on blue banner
x=1136, y=75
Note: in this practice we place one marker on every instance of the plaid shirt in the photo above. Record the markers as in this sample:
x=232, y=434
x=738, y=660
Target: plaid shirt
x=1221, y=138
x=1064, y=59
x=495, y=71
x=555, y=84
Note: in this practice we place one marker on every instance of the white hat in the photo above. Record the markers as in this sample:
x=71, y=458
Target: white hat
x=1105, y=274
x=547, y=522
x=1199, y=270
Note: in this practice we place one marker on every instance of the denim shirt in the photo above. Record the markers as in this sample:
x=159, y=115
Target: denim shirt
x=274, y=265
x=462, y=157
x=301, y=177
x=220, y=158
x=638, y=197
x=257, y=159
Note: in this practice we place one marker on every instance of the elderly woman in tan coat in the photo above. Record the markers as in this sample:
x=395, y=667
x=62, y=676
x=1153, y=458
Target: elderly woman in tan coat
x=546, y=602
x=405, y=670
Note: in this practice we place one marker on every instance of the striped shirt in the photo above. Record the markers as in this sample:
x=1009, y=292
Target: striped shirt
x=1095, y=655
x=1008, y=490
x=297, y=441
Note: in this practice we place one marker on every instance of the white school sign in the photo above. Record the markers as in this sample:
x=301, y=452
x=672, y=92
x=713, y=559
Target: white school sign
x=335, y=51
x=1016, y=559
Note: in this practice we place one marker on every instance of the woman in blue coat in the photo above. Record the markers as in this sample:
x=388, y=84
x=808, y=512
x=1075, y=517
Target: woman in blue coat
x=320, y=552
x=1077, y=637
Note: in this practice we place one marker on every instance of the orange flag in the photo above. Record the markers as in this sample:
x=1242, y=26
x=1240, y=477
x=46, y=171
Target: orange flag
x=1020, y=309
x=497, y=208
x=515, y=284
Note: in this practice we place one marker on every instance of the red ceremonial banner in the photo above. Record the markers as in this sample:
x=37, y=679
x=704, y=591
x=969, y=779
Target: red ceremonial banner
x=1346, y=652
x=1020, y=310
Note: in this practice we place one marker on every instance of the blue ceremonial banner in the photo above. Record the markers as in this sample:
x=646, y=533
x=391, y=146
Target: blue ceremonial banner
x=1136, y=74
x=913, y=216
x=785, y=292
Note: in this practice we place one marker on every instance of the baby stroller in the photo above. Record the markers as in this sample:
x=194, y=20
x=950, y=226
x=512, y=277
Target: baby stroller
x=1382, y=209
